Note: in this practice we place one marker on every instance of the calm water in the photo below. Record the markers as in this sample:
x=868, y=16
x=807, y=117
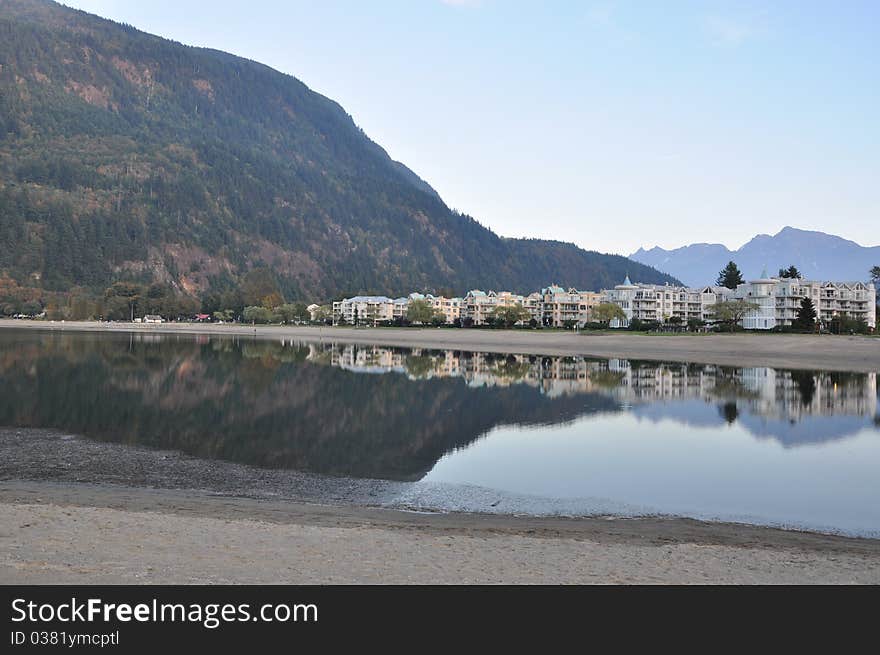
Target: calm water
x=474, y=431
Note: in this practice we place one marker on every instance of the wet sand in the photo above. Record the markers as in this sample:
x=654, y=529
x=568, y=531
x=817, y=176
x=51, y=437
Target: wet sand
x=65, y=534
x=827, y=352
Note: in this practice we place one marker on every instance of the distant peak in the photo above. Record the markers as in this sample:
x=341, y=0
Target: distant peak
x=788, y=230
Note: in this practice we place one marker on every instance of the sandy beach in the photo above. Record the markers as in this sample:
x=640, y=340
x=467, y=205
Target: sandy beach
x=827, y=352
x=74, y=511
x=105, y=534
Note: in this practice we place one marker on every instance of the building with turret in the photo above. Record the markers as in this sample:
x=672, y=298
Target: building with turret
x=655, y=302
x=779, y=300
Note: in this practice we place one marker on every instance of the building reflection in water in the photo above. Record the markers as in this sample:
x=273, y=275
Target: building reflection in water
x=381, y=412
x=771, y=393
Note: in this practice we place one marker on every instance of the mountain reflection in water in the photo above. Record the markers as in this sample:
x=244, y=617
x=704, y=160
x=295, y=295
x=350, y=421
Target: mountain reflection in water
x=378, y=412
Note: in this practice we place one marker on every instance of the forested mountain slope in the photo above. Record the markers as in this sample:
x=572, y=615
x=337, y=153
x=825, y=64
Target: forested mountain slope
x=125, y=156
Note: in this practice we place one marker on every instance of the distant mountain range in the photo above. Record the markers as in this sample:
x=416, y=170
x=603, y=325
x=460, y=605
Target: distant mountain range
x=125, y=156
x=817, y=256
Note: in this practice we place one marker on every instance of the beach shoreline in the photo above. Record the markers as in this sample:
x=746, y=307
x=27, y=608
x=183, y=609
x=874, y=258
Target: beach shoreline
x=87, y=533
x=791, y=351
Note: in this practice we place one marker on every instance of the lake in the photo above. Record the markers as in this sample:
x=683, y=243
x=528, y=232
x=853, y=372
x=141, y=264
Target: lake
x=454, y=430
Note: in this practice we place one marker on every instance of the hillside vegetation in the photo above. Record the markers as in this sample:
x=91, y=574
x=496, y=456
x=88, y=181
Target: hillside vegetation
x=128, y=157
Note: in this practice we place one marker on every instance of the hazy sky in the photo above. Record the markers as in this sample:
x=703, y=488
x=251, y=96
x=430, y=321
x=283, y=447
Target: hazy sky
x=610, y=124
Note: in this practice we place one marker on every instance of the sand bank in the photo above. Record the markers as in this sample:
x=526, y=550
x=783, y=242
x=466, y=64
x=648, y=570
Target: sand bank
x=104, y=534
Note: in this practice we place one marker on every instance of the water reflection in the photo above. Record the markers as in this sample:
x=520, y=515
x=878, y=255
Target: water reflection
x=771, y=403
x=380, y=412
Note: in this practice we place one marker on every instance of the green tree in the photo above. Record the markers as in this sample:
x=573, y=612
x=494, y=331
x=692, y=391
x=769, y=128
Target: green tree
x=225, y=315
x=510, y=315
x=123, y=294
x=606, y=312
x=301, y=312
x=258, y=315
x=875, y=275
x=293, y=312
x=791, y=273
x=31, y=308
x=730, y=313
x=730, y=276
x=695, y=324
x=420, y=311
x=806, y=316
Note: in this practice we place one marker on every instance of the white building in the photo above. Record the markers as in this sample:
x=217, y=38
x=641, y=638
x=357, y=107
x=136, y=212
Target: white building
x=779, y=300
x=363, y=310
x=372, y=310
x=656, y=302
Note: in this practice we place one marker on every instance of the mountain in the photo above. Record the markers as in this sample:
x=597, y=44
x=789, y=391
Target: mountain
x=817, y=256
x=125, y=156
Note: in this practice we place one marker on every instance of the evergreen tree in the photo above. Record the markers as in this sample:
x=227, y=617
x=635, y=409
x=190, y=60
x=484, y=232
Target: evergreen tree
x=790, y=273
x=730, y=276
x=806, y=316
x=875, y=274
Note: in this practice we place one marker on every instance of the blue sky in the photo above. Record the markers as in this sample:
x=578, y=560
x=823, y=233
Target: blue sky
x=611, y=124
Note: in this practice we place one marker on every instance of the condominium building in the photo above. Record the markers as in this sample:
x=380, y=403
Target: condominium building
x=372, y=310
x=561, y=308
x=478, y=306
x=450, y=308
x=655, y=302
x=363, y=310
x=399, y=308
x=534, y=305
x=779, y=300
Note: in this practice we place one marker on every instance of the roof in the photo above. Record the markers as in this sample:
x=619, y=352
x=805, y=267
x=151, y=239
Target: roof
x=368, y=299
x=764, y=279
